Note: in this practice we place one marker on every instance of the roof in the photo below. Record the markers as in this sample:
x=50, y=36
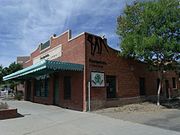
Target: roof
x=44, y=67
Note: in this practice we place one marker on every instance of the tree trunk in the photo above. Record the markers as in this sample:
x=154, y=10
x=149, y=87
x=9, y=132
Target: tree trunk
x=160, y=74
x=159, y=91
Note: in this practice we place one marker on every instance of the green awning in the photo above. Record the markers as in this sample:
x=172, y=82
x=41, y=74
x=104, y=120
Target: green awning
x=44, y=67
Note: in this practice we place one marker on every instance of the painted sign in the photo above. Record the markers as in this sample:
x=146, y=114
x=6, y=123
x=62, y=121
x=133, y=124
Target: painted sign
x=97, y=79
x=96, y=44
x=49, y=55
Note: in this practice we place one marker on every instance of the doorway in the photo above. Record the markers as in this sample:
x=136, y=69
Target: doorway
x=142, y=90
x=167, y=88
x=111, y=86
x=28, y=94
x=56, y=91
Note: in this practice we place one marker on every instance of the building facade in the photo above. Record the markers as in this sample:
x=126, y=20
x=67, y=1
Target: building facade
x=21, y=60
x=83, y=71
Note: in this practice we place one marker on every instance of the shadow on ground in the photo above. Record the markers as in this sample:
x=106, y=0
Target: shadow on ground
x=173, y=103
x=170, y=120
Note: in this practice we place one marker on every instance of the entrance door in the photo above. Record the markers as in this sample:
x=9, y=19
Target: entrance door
x=167, y=88
x=142, y=90
x=111, y=86
x=28, y=94
x=56, y=91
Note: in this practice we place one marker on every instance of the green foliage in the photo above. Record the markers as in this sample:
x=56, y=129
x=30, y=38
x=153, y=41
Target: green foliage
x=18, y=96
x=13, y=67
x=150, y=31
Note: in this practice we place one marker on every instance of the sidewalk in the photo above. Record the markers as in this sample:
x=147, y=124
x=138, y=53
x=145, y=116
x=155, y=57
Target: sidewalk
x=51, y=120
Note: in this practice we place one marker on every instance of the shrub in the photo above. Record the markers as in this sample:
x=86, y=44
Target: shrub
x=18, y=96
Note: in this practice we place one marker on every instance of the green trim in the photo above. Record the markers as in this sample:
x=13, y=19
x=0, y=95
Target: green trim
x=44, y=67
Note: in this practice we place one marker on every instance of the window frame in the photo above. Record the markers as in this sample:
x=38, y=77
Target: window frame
x=42, y=87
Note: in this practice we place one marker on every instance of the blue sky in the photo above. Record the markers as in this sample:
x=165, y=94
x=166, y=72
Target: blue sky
x=26, y=23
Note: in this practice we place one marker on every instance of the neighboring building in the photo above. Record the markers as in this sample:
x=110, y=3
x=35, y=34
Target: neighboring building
x=59, y=70
x=21, y=60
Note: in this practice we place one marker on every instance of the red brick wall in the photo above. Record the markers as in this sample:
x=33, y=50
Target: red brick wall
x=141, y=70
x=73, y=50
x=127, y=73
x=116, y=66
x=8, y=113
x=76, y=101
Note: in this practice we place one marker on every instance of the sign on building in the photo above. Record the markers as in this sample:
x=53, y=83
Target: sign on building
x=49, y=55
x=97, y=79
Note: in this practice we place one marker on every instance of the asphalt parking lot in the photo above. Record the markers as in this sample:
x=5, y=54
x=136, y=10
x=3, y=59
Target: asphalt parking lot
x=45, y=120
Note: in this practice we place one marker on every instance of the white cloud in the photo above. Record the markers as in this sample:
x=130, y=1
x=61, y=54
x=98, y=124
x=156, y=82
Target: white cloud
x=26, y=23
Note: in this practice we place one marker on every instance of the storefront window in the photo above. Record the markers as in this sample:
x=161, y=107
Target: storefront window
x=42, y=87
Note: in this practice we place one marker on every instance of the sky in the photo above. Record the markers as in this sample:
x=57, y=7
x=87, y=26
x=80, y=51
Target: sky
x=24, y=24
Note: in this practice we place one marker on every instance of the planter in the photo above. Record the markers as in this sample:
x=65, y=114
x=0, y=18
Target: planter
x=8, y=113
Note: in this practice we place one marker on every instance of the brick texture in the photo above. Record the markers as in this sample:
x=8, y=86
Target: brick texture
x=93, y=52
x=8, y=113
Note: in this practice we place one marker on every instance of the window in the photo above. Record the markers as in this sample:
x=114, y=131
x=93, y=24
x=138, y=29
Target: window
x=142, y=89
x=174, y=82
x=67, y=87
x=42, y=87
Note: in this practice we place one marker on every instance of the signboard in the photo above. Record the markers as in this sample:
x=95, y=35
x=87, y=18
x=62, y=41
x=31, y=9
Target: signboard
x=49, y=55
x=97, y=79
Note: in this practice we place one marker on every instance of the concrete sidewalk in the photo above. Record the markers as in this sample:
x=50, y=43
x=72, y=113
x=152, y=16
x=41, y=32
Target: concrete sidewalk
x=51, y=120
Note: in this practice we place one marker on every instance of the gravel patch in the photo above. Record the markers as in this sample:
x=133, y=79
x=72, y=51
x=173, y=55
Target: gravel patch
x=138, y=107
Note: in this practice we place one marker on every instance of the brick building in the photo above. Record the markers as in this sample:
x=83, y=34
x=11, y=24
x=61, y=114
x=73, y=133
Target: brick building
x=59, y=70
x=21, y=60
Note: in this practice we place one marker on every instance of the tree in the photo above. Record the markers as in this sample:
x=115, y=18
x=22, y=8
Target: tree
x=149, y=31
x=13, y=67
